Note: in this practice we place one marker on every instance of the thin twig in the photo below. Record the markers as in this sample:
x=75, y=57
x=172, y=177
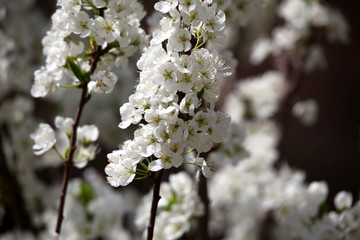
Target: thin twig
x=203, y=222
x=85, y=97
x=69, y=159
x=154, y=204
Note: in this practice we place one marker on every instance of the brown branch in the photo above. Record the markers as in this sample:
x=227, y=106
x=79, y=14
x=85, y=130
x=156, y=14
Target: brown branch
x=85, y=97
x=203, y=222
x=69, y=159
x=266, y=225
x=154, y=204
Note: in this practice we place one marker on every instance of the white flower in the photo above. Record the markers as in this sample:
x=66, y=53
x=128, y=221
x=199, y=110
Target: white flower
x=70, y=5
x=83, y=24
x=338, y=28
x=166, y=5
x=214, y=23
x=318, y=14
x=104, y=30
x=189, y=103
x=296, y=12
x=202, y=121
x=219, y=131
x=44, y=139
x=203, y=167
x=271, y=85
x=129, y=115
x=99, y=3
x=120, y=171
x=180, y=40
x=43, y=83
x=318, y=192
x=87, y=134
x=166, y=160
x=168, y=26
x=64, y=124
x=63, y=22
x=306, y=111
x=285, y=37
x=102, y=82
x=84, y=155
x=146, y=140
x=261, y=49
x=343, y=200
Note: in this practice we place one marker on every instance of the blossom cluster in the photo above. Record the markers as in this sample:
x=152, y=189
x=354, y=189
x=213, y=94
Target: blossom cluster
x=178, y=206
x=306, y=24
x=45, y=138
x=260, y=192
x=272, y=86
x=274, y=201
x=81, y=29
x=175, y=98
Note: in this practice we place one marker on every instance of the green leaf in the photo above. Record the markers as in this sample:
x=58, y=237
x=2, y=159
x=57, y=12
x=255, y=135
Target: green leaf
x=86, y=194
x=87, y=77
x=200, y=93
x=74, y=67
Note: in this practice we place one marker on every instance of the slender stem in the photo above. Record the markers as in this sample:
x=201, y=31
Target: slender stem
x=203, y=222
x=97, y=53
x=154, y=204
x=69, y=160
x=144, y=166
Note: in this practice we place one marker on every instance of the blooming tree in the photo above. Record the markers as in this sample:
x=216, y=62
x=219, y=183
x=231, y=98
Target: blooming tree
x=216, y=82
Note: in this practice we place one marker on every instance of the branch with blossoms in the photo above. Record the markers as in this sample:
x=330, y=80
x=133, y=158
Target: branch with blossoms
x=86, y=41
x=175, y=98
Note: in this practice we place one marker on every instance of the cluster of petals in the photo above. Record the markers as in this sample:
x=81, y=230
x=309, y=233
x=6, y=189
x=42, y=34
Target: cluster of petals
x=115, y=22
x=302, y=19
x=175, y=98
x=45, y=138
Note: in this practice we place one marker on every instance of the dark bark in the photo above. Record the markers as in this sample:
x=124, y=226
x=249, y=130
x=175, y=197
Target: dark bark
x=154, y=204
x=203, y=222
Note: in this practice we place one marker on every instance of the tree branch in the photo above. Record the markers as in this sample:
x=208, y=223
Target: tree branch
x=203, y=222
x=154, y=204
x=85, y=97
x=69, y=160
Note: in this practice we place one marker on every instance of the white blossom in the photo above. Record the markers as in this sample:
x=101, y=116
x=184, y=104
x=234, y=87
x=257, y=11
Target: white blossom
x=343, y=200
x=120, y=172
x=102, y=82
x=306, y=111
x=44, y=139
